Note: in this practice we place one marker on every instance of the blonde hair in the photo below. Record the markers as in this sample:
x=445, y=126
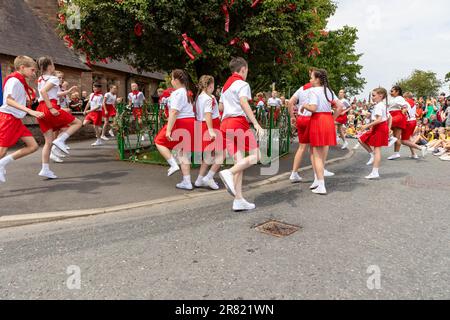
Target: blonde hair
x=57, y=72
x=204, y=82
x=23, y=61
x=408, y=95
x=383, y=92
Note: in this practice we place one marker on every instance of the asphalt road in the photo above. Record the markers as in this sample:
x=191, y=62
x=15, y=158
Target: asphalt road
x=200, y=249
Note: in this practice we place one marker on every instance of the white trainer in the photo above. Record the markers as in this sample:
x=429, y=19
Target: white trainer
x=243, y=205
x=61, y=146
x=97, y=143
x=104, y=138
x=392, y=141
x=424, y=151
x=295, y=177
x=327, y=173
x=227, y=178
x=67, y=147
x=55, y=158
x=345, y=146
x=320, y=190
x=371, y=160
x=395, y=156
x=356, y=147
x=2, y=174
x=185, y=185
x=111, y=133
x=314, y=185
x=445, y=157
x=47, y=174
x=58, y=153
x=143, y=137
x=211, y=184
x=414, y=156
x=172, y=170
x=373, y=176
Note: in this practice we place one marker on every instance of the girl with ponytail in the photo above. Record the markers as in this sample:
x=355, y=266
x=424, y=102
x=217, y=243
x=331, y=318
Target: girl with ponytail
x=322, y=131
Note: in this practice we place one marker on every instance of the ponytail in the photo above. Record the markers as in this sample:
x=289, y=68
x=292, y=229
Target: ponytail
x=186, y=80
x=322, y=75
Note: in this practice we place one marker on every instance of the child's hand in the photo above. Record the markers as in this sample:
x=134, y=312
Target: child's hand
x=36, y=114
x=169, y=136
x=212, y=134
x=260, y=132
x=54, y=112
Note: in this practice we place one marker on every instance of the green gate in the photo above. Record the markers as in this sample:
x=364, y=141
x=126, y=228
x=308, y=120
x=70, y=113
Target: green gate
x=132, y=146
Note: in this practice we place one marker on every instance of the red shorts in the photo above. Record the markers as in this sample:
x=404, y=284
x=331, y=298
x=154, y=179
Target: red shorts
x=378, y=136
x=11, y=130
x=51, y=122
x=238, y=135
x=182, y=133
x=95, y=118
x=409, y=130
x=342, y=119
x=398, y=119
x=322, y=131
x=137, y=113
x=111, y=111
x=206, y=143
x=276, y=114
x=303, y=129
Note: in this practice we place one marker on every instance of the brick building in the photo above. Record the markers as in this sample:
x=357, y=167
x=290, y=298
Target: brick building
x=28, y=27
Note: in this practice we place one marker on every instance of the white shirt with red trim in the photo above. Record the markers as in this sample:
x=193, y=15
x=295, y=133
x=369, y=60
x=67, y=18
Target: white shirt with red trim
x=53, y=92
x=346, y=104
x=179, y=101
x=274, y=102
x=206, y=104
x=137, y=101
x=302, y=96
x=231, y=99
x=398, y=103
x=14, y=89
x=96, y=102
x=110, y=98
x=380, y=109
x=317, y=97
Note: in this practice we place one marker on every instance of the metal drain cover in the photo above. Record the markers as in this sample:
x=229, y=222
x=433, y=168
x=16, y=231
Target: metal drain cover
x=277, y=228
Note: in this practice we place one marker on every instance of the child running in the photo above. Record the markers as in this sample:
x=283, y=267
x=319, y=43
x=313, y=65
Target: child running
x=93, y=112
x=109, y=112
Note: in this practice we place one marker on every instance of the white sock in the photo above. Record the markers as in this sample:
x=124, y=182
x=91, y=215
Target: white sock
x=199, y=179
x=63, y=137
x=6, y=160
x=45, y=166
x=187, y=179
x=321, y=183
x=375, y=171
x=172, y=162
x=210, y=175
x=372, y=155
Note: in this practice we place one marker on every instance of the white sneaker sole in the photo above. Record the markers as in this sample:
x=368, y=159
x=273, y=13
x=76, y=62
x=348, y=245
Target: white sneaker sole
x=230, y=191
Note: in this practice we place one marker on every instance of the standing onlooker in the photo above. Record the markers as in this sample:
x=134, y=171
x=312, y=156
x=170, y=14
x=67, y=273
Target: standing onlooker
x=431, y=108
x=75, y=102
x=84, y=99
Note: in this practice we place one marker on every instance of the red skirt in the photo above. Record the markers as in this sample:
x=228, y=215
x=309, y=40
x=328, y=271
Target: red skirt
x=399, y=119
x=378, y=136
x=203, y=140
x=182, y=133
x=343, y=119
x=111, y=111
x=11, y=130
x=322, y=131
x=137, y=113
x=51, y=122
x=238, y=135
x=303, y=129
x=409, y=130
x=95, y=118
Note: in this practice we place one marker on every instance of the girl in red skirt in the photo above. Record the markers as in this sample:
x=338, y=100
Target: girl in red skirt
x=211, y=141
x=378, y=135
x=322, y=132
x=54, y=119
x=178, y=133
x=95, y=113
x=109, y=111
x=398, y=109
x=411, y=125
x=342, y=119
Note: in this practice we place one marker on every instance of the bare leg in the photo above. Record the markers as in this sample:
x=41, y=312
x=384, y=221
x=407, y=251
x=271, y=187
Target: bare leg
x=298, y=157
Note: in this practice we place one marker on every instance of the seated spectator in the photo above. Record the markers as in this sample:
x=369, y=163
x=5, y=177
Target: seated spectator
x=351, y=131
x=75, y=104
x=434, y=122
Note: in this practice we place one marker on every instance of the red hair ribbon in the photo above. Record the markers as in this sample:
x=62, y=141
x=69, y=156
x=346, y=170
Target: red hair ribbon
x=138, y=29
x=69, y=41
x=255, y=3
x=193, y=44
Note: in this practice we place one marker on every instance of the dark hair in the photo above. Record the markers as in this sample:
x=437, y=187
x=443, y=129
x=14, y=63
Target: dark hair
x=43, y=63
x=97, y=85
x=398, y=89
x=186, y=80
x=237, y=63
x=322, y=75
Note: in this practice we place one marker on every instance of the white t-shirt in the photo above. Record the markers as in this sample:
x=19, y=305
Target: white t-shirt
x=64, y=102
x=53, y=92
x=110, y=98
x=260, y=104
x=302, y=96
x=345, y=103
x=137, y=101
x=317, y=97
x=14, y=88
x=379, y=110
x=398, y=103
x=412, y=112
x=231, y=99
x=179, y=101
x=96, y=102
x=206, y=104
x=274, y=102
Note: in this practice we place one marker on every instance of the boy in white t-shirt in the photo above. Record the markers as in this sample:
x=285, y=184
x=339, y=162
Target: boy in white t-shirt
x=235, y=127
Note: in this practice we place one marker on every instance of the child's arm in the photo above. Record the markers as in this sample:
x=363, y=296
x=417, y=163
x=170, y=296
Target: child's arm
x=105, y=110
x=170, y=123
x=209, y=123
x=65, y=93
x=248, y=111
x=86, y=111
x=13, y=103
x=44, y=93
x=338, y=107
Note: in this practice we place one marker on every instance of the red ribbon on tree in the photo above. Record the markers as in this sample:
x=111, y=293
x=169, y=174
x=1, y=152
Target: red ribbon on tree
x=89, y=41
x=227, y=4
x=69, y=41
x=315, y=51
x=138, y=29
x=193, y=44
x=244, y=45
x=255, y=3
x=62, y=18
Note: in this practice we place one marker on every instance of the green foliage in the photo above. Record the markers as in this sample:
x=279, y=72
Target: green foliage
x=421, y=83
